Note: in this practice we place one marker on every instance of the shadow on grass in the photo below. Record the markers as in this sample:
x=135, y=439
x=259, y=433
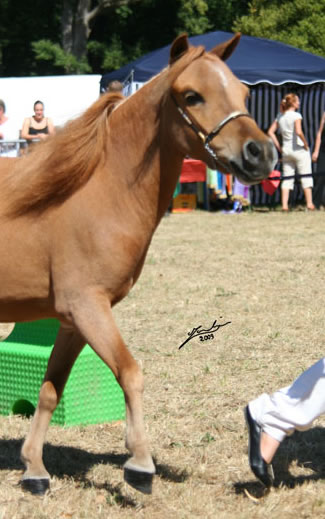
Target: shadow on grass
x=304, y=448
x=72, y=462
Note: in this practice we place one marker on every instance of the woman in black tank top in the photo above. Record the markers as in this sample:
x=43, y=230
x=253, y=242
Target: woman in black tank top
x=37, y=127
x=37, y=131
x=319, y=156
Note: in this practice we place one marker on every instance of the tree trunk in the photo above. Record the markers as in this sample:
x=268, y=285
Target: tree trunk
x=81, y=29
x=67, y=26
x=75, y=22
x=75, y=27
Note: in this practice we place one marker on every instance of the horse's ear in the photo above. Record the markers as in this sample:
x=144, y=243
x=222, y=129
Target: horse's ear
x=179, y=46
x=225, y=50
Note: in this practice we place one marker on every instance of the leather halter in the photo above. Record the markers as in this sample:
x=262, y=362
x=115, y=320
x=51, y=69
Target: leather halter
x=204, y=136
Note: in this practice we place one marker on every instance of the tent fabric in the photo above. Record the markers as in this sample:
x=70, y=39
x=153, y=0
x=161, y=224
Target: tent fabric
x=255, y=60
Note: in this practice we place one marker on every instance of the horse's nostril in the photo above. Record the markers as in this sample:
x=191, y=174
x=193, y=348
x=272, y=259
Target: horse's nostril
x=253, y=148
x=253, y=154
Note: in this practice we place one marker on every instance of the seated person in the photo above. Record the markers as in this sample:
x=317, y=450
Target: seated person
x=38, y=126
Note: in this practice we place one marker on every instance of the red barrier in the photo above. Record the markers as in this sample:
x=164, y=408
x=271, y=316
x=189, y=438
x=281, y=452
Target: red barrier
x=193, y=171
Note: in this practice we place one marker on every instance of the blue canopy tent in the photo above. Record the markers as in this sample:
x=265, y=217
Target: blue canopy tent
x=271, y=69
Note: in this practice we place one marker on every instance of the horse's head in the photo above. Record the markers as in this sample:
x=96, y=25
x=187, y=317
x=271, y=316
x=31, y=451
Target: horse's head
x=213, y=124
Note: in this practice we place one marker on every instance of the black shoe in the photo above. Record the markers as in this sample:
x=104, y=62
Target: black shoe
x=262, y=470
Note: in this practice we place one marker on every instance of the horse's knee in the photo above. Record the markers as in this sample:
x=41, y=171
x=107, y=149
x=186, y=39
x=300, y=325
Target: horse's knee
x=132, y=380
x=48, y=397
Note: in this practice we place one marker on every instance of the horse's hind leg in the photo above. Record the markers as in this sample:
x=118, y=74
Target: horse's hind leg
x=100, y=331
x=67, y=347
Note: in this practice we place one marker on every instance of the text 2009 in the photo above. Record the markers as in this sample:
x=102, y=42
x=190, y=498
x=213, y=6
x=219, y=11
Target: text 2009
x=206, y=337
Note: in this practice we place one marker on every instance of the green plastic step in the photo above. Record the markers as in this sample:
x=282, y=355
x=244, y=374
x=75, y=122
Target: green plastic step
x=92, y=394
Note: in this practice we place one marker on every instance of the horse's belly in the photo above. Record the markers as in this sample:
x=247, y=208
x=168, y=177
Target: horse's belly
x=25, y=310
x=24, y=270
x=24, y=292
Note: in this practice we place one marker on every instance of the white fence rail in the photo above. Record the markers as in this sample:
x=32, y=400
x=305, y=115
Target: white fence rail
x=14, y=147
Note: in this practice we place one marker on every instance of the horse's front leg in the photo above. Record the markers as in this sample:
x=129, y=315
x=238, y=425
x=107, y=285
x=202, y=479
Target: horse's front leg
x=67, y=347
x=98, y=327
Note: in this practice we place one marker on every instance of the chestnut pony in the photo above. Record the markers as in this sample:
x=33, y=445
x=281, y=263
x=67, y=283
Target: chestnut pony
x=77, y=215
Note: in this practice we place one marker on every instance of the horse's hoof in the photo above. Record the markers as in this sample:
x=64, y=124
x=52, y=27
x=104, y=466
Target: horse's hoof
x=139, y=480
x=36, y=486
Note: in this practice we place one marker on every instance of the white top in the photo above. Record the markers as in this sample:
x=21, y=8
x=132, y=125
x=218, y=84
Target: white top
x=286, y=122
x=9, y=132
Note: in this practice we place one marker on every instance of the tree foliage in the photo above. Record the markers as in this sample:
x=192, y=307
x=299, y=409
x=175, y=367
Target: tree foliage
x=299, y=23
x=222, y=13
x=82, y=36
x=192, y=16
x=46, y=50
x=22, y=23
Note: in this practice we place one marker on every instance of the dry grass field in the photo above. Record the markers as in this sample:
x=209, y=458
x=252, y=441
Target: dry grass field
x=264, y=272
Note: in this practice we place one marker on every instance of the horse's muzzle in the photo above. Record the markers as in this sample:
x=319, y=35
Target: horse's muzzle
x=258, y=159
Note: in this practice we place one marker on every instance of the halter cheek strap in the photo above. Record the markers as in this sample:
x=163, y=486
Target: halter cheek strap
x=204, y=136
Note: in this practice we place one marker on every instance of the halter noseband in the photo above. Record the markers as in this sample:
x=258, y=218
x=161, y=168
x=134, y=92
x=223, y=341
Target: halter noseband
x=207, y=137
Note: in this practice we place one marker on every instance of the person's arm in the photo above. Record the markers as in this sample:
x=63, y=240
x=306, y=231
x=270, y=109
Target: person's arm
x=318, y=139
x=50, y=130
x=271, y=133
x=300, y=133
x=50, y=126
x=25, y=130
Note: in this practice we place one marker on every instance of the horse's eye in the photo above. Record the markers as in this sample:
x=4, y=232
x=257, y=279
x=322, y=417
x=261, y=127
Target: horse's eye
x=192, y=98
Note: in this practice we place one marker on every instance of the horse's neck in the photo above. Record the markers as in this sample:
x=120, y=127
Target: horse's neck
x=147, y=153
x=170, y=168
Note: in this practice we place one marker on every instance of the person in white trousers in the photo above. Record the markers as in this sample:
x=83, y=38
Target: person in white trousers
x=294, y=150
x=270, y=418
